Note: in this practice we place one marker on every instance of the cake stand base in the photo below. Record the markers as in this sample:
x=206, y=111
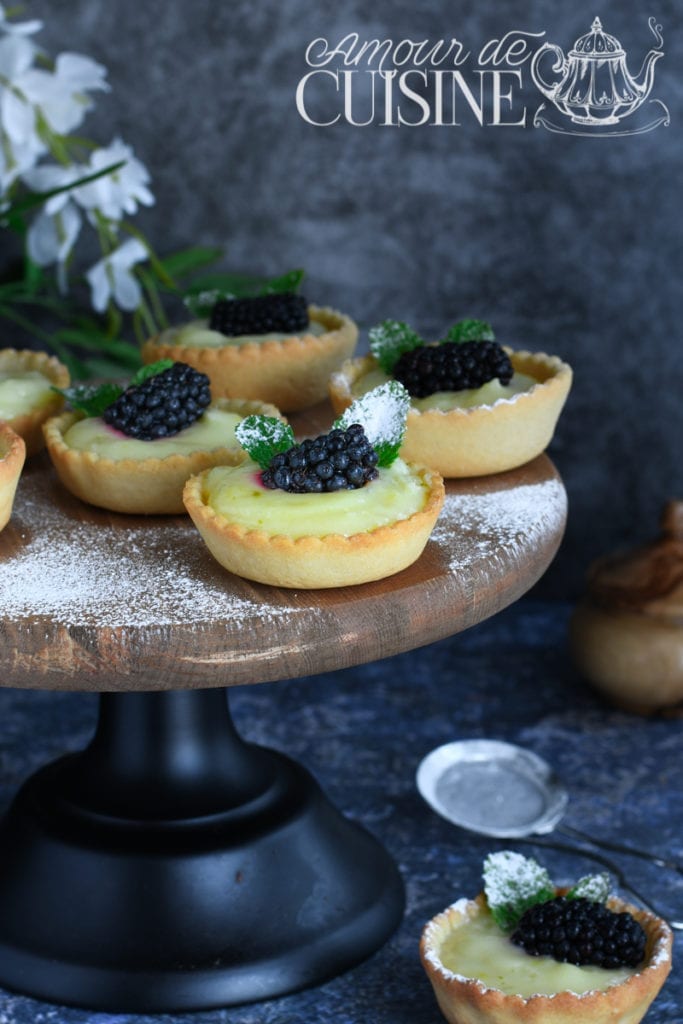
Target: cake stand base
x=171, y=866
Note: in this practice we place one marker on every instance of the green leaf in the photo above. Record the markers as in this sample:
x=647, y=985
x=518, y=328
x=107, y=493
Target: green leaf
x=470, y=330
x=592, y=887
x=38, y=198
x=96, y=340
x=92, y=399
x=289, y=282
x=151, y=370
x=203, y=295
x=187, y=261
x=262, y=437
x=382, y=413
x=389, y=340
x=512, y=884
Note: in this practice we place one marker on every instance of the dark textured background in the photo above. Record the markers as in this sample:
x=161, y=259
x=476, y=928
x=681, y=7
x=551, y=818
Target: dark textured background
x=567, y=244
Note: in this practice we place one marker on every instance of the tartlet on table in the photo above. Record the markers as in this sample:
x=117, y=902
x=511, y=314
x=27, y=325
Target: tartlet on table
x=476, y=431
x=12, y=455
x=27, y=398
x=482, y=975
x=103, y=466
x=283, y=360
x=271, y=519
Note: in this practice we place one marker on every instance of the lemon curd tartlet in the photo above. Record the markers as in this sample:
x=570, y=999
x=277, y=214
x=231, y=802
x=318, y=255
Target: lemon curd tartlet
x=270, y=348
x=329, y=512
x=105, y=466
x=480, y=975
x=27, y=398
x=12, y=455
x=492, y=426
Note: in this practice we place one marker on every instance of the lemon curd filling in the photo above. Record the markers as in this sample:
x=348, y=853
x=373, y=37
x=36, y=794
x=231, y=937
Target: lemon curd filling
x=214, y=429
x=487, y=394
x=236, y=493
x=479, y=949
x=197, y=334
x=22, y=392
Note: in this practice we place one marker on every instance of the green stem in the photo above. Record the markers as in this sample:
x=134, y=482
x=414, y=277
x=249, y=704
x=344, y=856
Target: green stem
x=37, y=332
x=25, y=324
x=155, y=301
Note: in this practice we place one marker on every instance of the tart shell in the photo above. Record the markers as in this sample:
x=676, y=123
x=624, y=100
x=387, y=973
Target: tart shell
x=485, y=438
x=469, y=1001
x=316, y=562
x=151, y=486
x=30, y=424
x=292, y=374
x=12, y=456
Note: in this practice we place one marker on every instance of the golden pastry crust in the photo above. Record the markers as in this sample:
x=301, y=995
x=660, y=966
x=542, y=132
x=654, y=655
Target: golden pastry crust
x=139, y=486
x=12, y=456
x=30, y=425
x=485, y=438
x=469, y=1001
x=292, y=374
x=316, y=562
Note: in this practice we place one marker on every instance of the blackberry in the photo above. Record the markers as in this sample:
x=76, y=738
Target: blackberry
x=161, y=405
x=282, y=311
x=452, y=366
x=581, y=931
x=338, y=461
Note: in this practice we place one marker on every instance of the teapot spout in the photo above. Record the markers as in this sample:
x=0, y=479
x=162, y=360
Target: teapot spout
x=644, y=80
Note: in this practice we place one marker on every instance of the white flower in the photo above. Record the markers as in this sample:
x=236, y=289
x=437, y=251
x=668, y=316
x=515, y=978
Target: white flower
x=20, y=28
x=51, y=239
x=110, y=278
x=55, y=229
x=119, y=192
x=60, y=95
x=51, y=176
x=17, y=117
x=16, y=158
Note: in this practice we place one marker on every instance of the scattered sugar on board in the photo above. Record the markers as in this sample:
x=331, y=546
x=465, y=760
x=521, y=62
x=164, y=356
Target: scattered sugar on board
x=142, y=575
x=146, y=575
x=486, y=522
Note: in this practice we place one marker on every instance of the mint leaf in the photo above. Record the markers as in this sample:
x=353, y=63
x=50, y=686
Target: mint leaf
x=151, y=370
x=289, y=282
x=382, y=413
x=470, y=330
x=389, y=340
x=201, y=298
x=512, y=884
x=92, y=399
x=264, y=436
x=592, y=887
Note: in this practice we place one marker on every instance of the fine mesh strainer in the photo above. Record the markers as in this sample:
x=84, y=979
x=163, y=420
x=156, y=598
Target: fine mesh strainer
x=501, y=790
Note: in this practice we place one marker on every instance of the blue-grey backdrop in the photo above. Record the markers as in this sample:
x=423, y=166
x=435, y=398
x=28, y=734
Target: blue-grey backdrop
x=566, y=243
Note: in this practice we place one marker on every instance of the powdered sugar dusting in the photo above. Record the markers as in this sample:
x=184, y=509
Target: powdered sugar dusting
x=477, y=525
x=381, y=412
x=92, y=573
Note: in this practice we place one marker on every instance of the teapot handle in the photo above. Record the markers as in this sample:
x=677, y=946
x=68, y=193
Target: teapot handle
x=559, y=65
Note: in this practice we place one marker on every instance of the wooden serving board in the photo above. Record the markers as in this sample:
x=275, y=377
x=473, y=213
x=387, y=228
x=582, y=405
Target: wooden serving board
x=92, y=600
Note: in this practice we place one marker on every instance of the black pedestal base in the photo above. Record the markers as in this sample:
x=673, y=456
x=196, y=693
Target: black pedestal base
x=170, y=866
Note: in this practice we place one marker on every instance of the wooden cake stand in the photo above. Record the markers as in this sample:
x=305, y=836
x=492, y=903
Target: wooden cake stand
x=171, y=865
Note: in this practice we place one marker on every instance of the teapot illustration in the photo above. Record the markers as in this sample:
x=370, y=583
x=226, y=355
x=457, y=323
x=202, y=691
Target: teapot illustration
x=595, y=85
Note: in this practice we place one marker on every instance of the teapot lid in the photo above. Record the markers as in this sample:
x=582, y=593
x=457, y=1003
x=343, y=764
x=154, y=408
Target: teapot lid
x=597, y=44
x=649, y=578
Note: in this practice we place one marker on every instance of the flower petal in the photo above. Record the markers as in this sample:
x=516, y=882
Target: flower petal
x=127, y=291
x=100, y=289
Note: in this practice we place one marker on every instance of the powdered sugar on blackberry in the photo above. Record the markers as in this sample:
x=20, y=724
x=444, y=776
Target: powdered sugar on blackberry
x=96, y=575
x=475, y=526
